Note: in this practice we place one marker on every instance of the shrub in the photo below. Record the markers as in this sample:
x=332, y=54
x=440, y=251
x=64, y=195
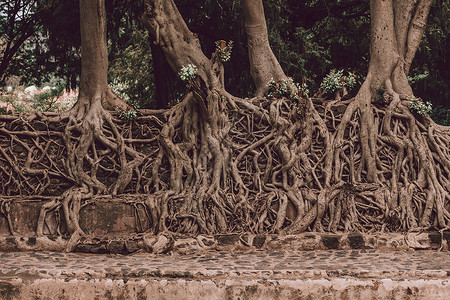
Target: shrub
x=336, y=80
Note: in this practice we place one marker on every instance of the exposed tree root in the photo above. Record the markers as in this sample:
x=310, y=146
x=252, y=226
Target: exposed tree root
x=221, y=164
x=215, y=163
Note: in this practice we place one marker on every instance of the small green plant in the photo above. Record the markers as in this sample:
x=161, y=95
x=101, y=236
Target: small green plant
x=224, y=51
x=128, y=115
x=121, y=89
x=188, y=73
x=46, y=101
x=303, y=89
x=336, y=80
x=287, y=88
x=420, y=107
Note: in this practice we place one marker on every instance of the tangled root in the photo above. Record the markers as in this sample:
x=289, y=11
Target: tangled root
x=215, y=163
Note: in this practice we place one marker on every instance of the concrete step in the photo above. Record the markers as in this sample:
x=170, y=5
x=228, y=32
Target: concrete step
x=321, y=274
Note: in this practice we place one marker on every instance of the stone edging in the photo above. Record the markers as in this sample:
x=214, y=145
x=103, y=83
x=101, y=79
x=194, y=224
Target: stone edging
x=169, y=243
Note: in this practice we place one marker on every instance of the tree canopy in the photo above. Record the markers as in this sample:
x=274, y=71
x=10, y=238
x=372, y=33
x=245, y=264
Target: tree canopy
x=309, y=38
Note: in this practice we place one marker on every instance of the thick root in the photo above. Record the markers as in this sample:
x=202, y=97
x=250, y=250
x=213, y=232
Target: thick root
x=214, y=163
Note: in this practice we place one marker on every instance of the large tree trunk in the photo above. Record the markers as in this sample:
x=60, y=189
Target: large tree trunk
x=264, y=66
x=86, y=135
x=396, y=30
x=94, y=60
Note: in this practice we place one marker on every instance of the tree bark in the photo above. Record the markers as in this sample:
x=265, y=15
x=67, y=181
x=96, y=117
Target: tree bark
x=94, y=60
x=86, y=121
x=396, y=31
x=180, y=46
x=264, y=66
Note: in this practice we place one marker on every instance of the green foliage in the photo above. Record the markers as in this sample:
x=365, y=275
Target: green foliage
x=336, y=80
x=308, y=38
x=49, y=100
x=188, y=73
x=286, y=88
x=128, y=115
x=432, y=57
x=19, y=19
x=441, y=115
x=46, y=101
x=225, y=52
x=417, y=77
x=131, y=74
x=420, y=107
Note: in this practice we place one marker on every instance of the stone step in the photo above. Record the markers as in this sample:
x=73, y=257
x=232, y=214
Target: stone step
x=321, y=274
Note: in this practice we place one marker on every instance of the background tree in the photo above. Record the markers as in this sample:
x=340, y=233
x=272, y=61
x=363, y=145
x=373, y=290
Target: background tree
x=18, y=21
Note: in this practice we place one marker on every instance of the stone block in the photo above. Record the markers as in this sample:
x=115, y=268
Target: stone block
x=227, y=239
x=259, y=240
x=331, y=241
x=356, y=240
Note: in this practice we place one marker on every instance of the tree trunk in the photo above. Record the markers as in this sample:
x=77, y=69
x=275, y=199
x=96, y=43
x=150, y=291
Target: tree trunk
x=396, y=30
x=264, y=66
x=94, y=60
x=90, y=129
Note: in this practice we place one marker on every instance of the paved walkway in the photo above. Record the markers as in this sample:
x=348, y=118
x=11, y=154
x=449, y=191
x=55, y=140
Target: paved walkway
x=338, y=274
x=354, y=263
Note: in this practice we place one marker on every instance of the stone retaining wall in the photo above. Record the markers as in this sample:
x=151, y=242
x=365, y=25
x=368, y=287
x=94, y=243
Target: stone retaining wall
x=167, y=243
x=114, y=225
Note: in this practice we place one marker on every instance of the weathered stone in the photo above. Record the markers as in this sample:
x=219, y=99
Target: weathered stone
x=331, y=241
x=116, y=247
x=259, y=240
x=99, y=248
x=227, y=239
x=206, y=241
x=246, y=239
x=186, y=246
x=185, y=288
x=12, y=240
x=356, y=240
x=160, y=244
x=435, y=239
x=418, y=240
x=31, y=241
x=109, y=218
x=132, y=246
x=446, y=236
